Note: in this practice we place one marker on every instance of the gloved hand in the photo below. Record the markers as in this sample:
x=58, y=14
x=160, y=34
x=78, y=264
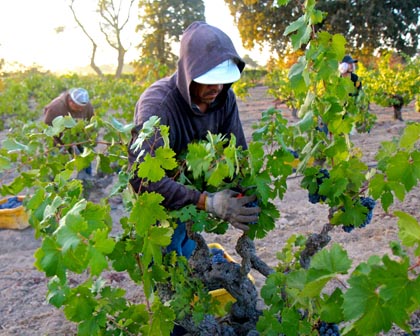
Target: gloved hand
x=228, y=206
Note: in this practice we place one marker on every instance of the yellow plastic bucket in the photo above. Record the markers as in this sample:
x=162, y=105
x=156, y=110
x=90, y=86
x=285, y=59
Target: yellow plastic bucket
x=15, y=218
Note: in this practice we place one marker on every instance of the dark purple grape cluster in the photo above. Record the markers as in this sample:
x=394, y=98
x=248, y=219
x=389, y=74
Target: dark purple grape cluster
x=294, y=153
x=368, y=203
x=330, y=329
x=11, y=203
x=315, y=197
x=217, y=256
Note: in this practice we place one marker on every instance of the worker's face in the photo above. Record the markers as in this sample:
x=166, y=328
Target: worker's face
x=352, y=67
x=74, y=106
x=204, y=93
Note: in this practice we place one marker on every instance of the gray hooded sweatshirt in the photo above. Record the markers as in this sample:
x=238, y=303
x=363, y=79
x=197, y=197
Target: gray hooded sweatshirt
x=202, y=48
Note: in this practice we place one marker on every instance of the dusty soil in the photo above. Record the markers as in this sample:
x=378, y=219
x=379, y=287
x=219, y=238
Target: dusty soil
x=23, y=306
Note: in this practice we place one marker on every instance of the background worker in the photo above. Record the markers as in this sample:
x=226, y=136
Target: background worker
x=75, y=103
x=347, y=67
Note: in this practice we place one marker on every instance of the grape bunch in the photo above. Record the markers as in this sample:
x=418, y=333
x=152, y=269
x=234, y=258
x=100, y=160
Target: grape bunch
x=330, y=329
x=368, y=203
x=315, y=197
x=294, y=153
x=218, y=256
x=12, y=202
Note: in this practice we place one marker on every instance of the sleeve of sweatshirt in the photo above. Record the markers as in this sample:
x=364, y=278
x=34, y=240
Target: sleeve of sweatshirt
x=176, y=195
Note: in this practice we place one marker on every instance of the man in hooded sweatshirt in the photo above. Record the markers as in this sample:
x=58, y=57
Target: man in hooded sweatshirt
x=195, y=100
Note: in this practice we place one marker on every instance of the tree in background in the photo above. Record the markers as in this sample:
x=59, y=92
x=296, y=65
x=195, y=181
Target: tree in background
x=162, y=24
x=371, y=24
x=250, y=63
x=112, y=22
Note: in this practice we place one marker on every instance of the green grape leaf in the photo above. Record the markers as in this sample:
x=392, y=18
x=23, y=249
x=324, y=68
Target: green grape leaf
x=231, y=159
x=59, y=124
x=147, y=211
x=77, y=258
x=410, y=136
x=331, y=307
x=160, y=235
x=5, y=163
x=363, y=304
x=314, y=287
x=122, y=257
x=97, y=261
x=297, y=68
x=167, y=157
x=68, y=232
x=332, y=261
x=397, y=290
x=386, y=200
x=400, y=169
x=57, y=294
x=92, y=325
x=296, y=25
x=409, y=230
x=398, y=190
x=333, y=187
x=13, y=145
x=338, y=45
x=256, y=156
x=359, y=297
x=102, y=243
x=352, y=214
x=375, y=318
x=80, y=305
x=270, y=291
x=120, y=127
x=263, y=181
x=218, y=174
x=162, y=322
x=98, y=217
x=290, y=322
x=153, y=168
x=198, y=159
x=324, y=266
x=307, y=120
x=48, y=258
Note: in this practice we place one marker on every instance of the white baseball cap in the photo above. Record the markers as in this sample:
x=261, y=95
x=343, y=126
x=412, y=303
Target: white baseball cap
x=224, y=73
x=79, y=96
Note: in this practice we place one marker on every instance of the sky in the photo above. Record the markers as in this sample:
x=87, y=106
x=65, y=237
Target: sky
x=28, y=34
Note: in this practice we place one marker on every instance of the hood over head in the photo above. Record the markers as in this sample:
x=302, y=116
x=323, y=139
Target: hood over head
x=203, y=47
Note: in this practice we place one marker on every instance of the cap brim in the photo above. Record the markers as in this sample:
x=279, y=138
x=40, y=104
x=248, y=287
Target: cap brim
x=224, y=73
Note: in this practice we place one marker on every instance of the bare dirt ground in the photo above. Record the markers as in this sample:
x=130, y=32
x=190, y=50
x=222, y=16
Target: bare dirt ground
x=23, y=306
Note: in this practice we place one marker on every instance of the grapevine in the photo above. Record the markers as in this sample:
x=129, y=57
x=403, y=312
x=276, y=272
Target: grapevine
x=77, y=233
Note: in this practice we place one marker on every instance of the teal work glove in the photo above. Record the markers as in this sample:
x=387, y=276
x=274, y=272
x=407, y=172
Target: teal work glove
x=231, y=207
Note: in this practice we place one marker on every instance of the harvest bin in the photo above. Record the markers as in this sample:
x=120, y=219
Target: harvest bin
x=15, y=218
x=221, y=294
